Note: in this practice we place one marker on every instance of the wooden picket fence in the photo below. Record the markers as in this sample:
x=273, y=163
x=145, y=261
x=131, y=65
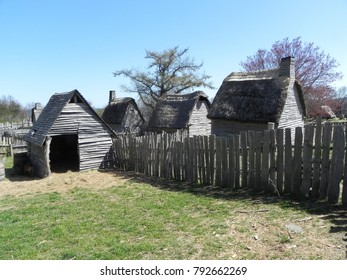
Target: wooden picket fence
x=11, y=145
x=313, y=163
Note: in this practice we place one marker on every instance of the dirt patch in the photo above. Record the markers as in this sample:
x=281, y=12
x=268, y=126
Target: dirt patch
x=59, y=182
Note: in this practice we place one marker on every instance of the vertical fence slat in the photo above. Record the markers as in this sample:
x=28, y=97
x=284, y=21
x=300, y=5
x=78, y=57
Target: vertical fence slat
x=237, y=161
x=288, y=169
x=212, y=141
x=317, y=158
x=344, y=189
x=224, y=154
x=323, y=187
x=265, y=160
x=207, y=160
x=280, y=159
x=258, y=146
x=251, y=168
x=272, y=170
x=307, y=160
x=297, y=174
x=244, y=157
x=231, y=165
x=336, y=169
x=218, y=160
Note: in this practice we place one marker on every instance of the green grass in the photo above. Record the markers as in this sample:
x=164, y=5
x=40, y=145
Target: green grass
x=139, y=221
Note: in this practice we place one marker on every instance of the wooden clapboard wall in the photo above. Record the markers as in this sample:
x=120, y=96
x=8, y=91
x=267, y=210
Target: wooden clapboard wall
x=70, y=114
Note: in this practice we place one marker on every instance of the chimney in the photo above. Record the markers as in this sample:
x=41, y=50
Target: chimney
x=287, y=67
x=112, y=96
x=38, y=106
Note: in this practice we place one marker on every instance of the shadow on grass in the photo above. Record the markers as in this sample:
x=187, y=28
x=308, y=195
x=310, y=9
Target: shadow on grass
x=11, y=176
x=336, y=214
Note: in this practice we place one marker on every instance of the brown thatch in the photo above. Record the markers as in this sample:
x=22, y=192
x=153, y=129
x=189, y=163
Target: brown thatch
x=253, y=97
x=174, y=111
x=115, y=111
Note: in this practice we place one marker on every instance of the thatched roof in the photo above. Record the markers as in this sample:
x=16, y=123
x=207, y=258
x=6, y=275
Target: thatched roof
x=174, y=111
x=115, y=110
x=50, y=113
x=253, y=96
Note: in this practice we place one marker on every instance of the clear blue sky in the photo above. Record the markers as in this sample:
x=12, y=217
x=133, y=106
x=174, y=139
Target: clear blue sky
x=49, y=46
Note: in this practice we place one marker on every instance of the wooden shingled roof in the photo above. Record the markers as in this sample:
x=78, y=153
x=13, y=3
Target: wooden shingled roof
x=50, y=113
x=174, y=111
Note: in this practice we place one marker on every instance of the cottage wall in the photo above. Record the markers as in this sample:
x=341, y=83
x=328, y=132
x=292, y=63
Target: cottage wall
x=132, y=120
x=292, y=115
x=222, y=127
x=199, y=123
x=94, y=141
x=39, y=158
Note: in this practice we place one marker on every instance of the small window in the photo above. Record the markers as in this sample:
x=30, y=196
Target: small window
x=76, y=99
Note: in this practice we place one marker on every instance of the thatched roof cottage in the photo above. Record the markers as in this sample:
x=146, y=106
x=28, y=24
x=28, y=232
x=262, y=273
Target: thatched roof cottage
x=123, y=115
x=251, y=100
x=69, y=135
x=182, y=112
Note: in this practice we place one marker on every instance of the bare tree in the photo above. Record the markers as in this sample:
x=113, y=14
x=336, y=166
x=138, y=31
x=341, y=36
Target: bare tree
x=11, y=110
x=315, y=70
x=170, y=71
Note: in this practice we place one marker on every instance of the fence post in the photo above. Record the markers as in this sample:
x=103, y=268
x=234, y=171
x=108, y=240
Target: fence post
x=344, y=190
x=307, y=160
x=323, y=187
x=251, y=145
x=265, y=161
x=297, y=175
x=336, y=169
x=280, y=159
x=288, y=169
x=258, y=141
x=317, y=158
x=244, y=155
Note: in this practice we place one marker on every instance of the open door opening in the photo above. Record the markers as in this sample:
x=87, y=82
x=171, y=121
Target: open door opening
x=64, y=153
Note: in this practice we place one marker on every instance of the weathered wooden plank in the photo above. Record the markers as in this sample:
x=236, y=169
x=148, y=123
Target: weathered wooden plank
x=192, y=161
x=186, y=159
x=244, y=158
x=307, y=160
x=272, y=170
x=317, y=158
x=265, y=161
x=288, y=169
x=251, y=164
x=218, y=161
x=207, y=160
x=336, y=169
x=258, y=149
x=224, y=156
x=297, y=170
x=237, y=161
x=212, y=141
x=326, y=140
x=232, y=159
x=280, y=159
x=344, y=189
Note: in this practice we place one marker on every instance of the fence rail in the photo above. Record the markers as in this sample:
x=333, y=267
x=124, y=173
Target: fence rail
x=312, y=164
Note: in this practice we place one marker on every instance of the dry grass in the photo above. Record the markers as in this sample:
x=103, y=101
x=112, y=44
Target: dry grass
x=59, y=182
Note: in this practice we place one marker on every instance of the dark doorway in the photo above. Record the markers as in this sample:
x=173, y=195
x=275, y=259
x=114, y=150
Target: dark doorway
x=64, y=153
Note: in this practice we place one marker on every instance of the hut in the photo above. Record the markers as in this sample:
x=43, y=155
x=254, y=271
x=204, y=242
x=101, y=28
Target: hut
x=123, y=115
x=252, y=100
x=69, y=135
x=181, y=112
